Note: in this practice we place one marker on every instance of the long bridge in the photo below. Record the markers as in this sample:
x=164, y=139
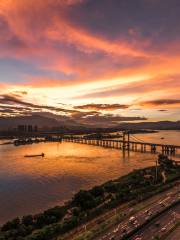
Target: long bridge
x=129, y=142
x=126, y=144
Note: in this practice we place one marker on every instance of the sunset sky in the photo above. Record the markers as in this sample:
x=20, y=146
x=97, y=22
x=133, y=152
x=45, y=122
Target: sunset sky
x=117, y=60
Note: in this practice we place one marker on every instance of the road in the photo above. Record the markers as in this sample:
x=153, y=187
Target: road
x=161, y=225
x=174, y=235
x=136, y=220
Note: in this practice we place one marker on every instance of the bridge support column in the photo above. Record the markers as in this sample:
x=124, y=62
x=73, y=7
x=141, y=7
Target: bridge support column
x=132, y=146
x=173, y=150
x=144, y=147
x=153, y=148
x=128, y=144
x=162, y=150
x=124, y=141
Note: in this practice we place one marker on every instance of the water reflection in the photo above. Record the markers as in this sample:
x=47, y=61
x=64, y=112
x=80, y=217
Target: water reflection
x=29, y=185
x=163, y=137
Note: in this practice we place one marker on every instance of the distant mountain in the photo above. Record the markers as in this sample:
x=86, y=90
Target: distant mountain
x=161, y=125
x=49, y=121
x=45, y=122
x=61, y=119
x=10, y=123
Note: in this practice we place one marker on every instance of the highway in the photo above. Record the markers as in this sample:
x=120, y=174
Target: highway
x=161, y=225
x=133, y=222
x=174, y=235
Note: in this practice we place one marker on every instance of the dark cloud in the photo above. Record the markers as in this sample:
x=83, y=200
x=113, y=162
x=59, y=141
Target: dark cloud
x=143, y=19
x=21, y=92
x=8, y=106
x=79, y=114
x=161, y=102
x=6, y=110
x=13, y=100
x=100, y=107
x=106, y=120
x=14, y=110
x=2, y=106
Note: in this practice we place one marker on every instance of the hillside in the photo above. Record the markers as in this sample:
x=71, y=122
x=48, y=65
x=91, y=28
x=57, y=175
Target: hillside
x=161, y=125
x=48, y=121
x=9, y=123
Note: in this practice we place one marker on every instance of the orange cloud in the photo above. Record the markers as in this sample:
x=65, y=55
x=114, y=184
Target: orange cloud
x=40, y=30
x=42, y=22
x=42, y=33
x=87, y=42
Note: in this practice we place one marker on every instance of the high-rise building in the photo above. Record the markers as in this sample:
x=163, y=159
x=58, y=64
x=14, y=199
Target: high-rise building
x=27, y=128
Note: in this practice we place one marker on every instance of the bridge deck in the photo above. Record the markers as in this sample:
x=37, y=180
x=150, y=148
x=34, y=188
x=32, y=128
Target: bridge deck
x=144, y=143
x=129, y=145
x=130, y=142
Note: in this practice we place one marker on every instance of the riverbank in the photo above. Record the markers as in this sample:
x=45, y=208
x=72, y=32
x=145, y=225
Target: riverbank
x=88, y=204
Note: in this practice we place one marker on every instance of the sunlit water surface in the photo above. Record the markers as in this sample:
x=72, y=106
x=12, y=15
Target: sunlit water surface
x=30, y=185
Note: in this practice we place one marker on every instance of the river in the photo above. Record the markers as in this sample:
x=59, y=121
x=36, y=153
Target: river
x=30, y=185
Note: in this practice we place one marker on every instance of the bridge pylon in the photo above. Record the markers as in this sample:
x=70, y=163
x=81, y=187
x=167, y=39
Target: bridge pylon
x=126, y=140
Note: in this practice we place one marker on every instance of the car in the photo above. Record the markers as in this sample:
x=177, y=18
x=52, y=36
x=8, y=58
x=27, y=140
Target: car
x=138, y=238
x=116, y=230
x=132, y=219
x=135, y=222
x=163, y=229
x=136, y=225
x=149, y=213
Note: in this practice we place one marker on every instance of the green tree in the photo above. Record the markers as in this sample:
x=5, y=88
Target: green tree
x=84, y=199
x=97, y=191
x=27, y=220
x=13, y=224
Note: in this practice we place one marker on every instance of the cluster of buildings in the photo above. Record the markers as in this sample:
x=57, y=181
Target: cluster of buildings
x=27, y=128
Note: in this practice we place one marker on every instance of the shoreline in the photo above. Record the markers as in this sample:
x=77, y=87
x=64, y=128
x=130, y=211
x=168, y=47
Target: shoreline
x=88, y=204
